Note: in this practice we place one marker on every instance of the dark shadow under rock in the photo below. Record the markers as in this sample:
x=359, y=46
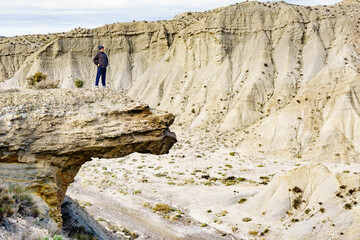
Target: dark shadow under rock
x=76, y=221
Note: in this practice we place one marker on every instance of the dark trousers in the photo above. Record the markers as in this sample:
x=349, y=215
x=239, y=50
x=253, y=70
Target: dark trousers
x=100, y=72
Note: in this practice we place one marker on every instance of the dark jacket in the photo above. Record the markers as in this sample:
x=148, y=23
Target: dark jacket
x=101, y=59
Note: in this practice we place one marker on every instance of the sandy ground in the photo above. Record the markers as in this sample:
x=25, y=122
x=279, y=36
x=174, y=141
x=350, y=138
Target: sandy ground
x=204, y=188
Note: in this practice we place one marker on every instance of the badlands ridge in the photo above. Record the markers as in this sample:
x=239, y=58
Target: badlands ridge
x=257, y=89
x=284, y=77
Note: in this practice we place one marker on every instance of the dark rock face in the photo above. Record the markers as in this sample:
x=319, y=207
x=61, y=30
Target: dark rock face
x=76, y=219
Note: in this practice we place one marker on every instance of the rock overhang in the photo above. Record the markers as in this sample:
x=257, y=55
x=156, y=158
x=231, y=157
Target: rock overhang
x=45, y=136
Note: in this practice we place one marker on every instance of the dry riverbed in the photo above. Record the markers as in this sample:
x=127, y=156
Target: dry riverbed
x=204, y=190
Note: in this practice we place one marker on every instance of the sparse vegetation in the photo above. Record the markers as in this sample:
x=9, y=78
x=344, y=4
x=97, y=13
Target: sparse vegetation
x=38, y=81
x=123, y=231
x=296, y=190
x=36, y=78
x=297, y=202
x=232, y=180
x=79, y=83
x=56, y=237
x=79, y=233
x=222, y=213
x=253, y=233
x=15, y=199
x=347, y=206
x=247, y=219
x=163, y=208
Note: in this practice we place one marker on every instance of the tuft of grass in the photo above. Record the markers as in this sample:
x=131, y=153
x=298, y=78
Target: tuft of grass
x=38, y=81
x=232, y=180
x=79, y=83
x=242, y=200
x=164, y=208
x=347, y=206
x=222, y=213
x=36, y=78
x=351, y=191
x=297, y=202
x=253, y=233
x=247, y=219
x=296, y=190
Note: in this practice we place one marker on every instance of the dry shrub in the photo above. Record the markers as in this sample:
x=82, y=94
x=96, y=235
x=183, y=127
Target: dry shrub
x=16, y=200
x=38, y=81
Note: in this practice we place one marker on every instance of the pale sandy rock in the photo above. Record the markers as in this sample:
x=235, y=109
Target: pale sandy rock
x=312, y=183
x=45, y=136
x=284, y=76
x=301, y=199
x=350, y=1
x=15, y=50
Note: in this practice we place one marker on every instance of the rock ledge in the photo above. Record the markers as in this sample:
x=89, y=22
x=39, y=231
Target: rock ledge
x=45, y=136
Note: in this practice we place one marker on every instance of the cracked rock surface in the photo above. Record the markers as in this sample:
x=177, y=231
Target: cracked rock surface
x=45, y=136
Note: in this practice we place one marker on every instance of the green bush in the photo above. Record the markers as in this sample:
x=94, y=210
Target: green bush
x=57, y=237
x=79, y=83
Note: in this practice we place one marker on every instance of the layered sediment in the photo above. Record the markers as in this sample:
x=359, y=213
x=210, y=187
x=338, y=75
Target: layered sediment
x=45, y=136
x=282, y=77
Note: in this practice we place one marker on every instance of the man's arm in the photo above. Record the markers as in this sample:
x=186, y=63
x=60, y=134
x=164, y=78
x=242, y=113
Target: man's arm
x=107, y=60
x=96, y=59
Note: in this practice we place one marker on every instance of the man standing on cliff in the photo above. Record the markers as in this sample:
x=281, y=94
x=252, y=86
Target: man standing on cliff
x=101, y=61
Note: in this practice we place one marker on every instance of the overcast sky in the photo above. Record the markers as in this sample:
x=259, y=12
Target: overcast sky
x=19, y=17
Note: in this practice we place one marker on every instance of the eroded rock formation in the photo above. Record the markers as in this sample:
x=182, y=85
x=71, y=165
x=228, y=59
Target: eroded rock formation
x=45, y=136
x=302, y=193
x=15, y=50
x=284, y=76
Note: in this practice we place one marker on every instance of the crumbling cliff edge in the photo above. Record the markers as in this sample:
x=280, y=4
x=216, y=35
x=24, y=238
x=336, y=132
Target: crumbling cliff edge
x=45, y=136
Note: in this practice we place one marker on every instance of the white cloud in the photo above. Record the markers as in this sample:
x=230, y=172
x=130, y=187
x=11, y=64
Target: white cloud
x=112, y=4
x=43, y=16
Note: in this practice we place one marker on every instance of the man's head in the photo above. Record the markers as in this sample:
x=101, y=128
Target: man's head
x=101, y=48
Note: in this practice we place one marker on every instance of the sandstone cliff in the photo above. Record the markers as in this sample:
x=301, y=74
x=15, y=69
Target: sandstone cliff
x=45, y=136
x=284, y=77
x=15, y=50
